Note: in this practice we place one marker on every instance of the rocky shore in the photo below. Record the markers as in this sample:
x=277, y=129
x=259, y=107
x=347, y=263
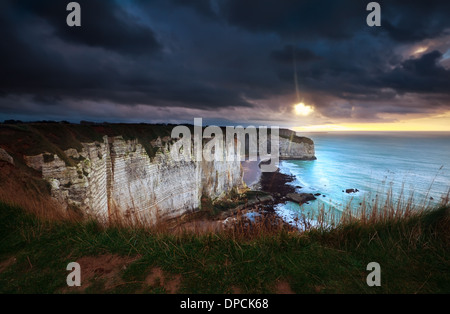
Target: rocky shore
x=276, y=184
x=258, y=209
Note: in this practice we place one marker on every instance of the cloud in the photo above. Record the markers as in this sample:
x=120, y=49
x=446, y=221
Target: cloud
x=289, y=54
x=415, y=20
x=203, y=8
x=227, y=59
x=106, y=25
x=423, y=74
x=296, y=19
x=110, y=58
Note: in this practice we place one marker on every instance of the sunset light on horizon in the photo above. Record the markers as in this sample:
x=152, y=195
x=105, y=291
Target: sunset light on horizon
x=437, y=123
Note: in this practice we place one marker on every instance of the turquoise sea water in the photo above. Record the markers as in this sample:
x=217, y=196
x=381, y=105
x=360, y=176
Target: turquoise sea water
x=373, y=163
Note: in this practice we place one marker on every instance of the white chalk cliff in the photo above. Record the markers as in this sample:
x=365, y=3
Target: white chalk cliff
x=117, y=177
x=302, y=150
x=293, y=147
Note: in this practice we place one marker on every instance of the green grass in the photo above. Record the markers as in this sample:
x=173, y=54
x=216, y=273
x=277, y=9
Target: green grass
x=413, y=253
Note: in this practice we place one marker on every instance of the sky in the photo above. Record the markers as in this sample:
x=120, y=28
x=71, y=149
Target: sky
x=307, y=65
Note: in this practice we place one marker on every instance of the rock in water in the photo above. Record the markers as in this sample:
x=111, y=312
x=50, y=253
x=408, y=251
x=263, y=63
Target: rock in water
x=301, y=198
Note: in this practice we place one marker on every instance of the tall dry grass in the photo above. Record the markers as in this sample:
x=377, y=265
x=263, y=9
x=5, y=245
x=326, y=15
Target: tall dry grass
x=385, y=207
x=381, y=208
x=371, y=211
x=29, y=196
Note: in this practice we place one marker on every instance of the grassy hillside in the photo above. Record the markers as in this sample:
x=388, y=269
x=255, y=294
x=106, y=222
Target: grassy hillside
x=413, y=253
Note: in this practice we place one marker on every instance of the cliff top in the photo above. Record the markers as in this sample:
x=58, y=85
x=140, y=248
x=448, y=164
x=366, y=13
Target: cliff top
x=54, y=137
x=33, y=138
x=293, y=137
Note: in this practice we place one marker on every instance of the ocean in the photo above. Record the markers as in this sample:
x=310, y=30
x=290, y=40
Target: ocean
x=406, y=163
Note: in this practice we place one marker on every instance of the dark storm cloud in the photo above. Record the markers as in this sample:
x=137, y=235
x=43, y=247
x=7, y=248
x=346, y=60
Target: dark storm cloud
x=352, y=70
x=296, y=19
x=214, y=54
x=420, y=75
x=202, y=7
x=289, y=54
x=105, y=24
x=403, y=20
x=47, y=59
x=414, y=20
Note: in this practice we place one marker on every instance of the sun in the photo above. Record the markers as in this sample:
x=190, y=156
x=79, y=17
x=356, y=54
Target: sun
x=420, y=50
x=303, y=110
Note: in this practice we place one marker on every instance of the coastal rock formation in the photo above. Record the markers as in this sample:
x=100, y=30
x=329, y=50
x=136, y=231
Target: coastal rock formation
x=6, y=157
x=117, y=177
x=300, y=198
x=35, y=162
x=291, y=146
x=123, y=170
x=295, y=147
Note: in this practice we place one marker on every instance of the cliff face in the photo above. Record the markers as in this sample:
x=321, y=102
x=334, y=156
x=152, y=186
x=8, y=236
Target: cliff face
x=117, y=177
x=301, y=150
x=103, y=169
x=6, y=157
x=295, y=147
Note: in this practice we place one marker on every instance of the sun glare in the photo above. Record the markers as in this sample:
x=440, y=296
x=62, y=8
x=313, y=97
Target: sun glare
x=303, y=110
x=420, y=50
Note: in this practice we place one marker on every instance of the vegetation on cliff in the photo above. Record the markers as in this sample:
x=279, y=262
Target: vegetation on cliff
x=413, y=253
x=291, y=135
x=55, y=137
